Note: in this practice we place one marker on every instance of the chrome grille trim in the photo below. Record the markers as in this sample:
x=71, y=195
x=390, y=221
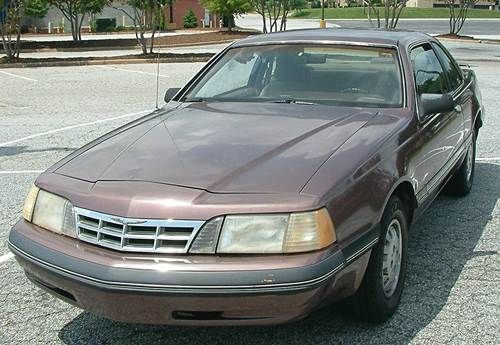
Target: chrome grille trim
x=135, y=235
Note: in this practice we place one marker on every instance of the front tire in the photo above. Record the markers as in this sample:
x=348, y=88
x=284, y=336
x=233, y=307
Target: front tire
x=380, y=291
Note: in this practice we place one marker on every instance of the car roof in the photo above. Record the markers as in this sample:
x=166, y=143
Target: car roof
x=358, y=36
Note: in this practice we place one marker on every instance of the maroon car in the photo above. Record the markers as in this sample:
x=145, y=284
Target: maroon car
x=284, y=176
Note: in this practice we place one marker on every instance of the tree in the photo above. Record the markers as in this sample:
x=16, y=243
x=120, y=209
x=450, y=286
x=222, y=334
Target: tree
x=36, y=9
x=76, y=10
x=228, y=8
x=190, y=20
x=276, y=10
x=11, y=14
x=392, y=11
x=290, y=5
x=146, y=15
x=260, y=7
x=458, y=13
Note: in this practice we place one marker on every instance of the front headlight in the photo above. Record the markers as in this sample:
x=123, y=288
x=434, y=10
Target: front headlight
x=276, y=233
x=29, y=204
x=50, y=212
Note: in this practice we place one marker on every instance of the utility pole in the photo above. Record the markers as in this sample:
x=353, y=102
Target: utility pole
x=322, y=22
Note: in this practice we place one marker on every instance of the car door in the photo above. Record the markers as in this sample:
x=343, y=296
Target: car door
x=462, y=94
x=439, y=134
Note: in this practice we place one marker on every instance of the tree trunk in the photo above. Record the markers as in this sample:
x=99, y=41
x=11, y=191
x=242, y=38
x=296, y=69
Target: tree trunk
x=18, y=42
x=264, y=24
x=80, y=23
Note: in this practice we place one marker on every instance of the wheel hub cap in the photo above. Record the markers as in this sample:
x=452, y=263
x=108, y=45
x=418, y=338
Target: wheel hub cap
x=391, y=264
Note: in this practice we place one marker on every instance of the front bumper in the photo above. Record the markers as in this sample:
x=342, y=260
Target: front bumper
x=191, y=290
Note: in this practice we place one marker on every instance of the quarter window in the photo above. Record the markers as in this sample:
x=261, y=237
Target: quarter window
x=429, y=74
x=450, y=67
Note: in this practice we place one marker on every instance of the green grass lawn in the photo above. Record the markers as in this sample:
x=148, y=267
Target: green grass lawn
x=409, y=12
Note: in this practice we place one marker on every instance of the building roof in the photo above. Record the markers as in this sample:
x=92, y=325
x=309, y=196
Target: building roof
x=370, y=36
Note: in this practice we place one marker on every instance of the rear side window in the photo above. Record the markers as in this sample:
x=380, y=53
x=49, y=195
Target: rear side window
x=450, y=67
x=429, y=74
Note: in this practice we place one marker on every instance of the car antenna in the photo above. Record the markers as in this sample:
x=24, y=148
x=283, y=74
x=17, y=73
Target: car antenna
x=158, y=66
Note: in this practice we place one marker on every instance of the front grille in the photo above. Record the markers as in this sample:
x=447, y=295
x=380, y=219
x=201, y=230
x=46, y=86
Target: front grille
x=135, y=235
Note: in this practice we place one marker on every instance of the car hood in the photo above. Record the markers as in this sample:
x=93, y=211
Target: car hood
x=222, y=147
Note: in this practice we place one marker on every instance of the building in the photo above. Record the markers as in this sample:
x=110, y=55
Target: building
x=180, y=8
x=484, y=4
x=55, y=22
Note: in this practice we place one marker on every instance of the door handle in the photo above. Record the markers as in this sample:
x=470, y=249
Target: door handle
x=458, y=108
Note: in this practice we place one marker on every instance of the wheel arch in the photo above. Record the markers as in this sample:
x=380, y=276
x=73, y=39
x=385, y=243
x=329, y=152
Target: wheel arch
x=405, y=191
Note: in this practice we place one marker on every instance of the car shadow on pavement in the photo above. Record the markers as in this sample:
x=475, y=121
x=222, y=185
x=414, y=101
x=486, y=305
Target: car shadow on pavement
x=7, y=151
x=440, y=244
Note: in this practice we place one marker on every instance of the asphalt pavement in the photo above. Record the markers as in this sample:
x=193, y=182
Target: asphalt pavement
x=482, y=28
x=479, y=28
x=452, y=292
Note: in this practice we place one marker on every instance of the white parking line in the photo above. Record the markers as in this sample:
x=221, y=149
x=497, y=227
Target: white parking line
x=488, y=159
x=6, y=172
x=17, y=76
x=130, y=70
x=6, y=257
x=144, y=112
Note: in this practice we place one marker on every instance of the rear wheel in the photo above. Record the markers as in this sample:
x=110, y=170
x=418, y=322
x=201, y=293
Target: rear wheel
x=461, y=182
x=380, y=291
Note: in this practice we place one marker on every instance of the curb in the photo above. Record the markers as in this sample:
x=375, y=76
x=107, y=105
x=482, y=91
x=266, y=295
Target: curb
x=90, y=49
x=474, y=40
x=70, y=63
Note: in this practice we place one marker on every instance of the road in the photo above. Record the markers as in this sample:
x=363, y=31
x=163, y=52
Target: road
x=452, y=292
x=480, y=28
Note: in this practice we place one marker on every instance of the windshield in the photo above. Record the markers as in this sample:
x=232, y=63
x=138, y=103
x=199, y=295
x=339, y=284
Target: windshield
x=324, y=74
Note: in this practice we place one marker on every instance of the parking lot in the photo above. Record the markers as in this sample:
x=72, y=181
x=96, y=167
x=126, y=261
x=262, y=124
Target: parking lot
x=452, y=292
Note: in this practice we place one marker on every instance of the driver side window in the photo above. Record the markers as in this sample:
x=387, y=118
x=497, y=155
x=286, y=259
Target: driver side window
x=428, y=72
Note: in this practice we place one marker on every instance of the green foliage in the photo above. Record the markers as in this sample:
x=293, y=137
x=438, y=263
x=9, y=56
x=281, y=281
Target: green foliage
x=298, y=5
x=76, y=10
x=36, y=8
x=190, y=20
x=10, y=27
x=79, y=6
x=146, y=5
x=228, y=7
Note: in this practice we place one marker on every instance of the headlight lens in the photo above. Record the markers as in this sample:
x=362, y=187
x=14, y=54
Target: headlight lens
x=276, y=233
x=54, y=213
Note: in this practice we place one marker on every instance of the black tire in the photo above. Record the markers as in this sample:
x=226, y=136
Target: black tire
x=371, y=302
x=461, y=182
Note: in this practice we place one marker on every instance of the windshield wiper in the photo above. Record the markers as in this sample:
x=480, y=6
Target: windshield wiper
x=291, y=101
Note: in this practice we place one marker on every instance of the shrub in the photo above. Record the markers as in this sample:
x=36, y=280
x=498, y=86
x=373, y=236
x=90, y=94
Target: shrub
x=190, y=20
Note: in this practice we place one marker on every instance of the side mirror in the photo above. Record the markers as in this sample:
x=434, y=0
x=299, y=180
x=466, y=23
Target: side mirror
x=432, y=104
x=171, y=93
